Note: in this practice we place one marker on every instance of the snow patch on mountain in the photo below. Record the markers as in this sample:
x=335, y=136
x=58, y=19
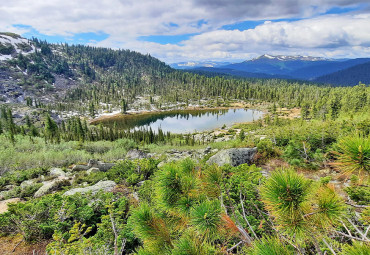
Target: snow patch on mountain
x=13, y=44
x=194, y=64
x=288, y=58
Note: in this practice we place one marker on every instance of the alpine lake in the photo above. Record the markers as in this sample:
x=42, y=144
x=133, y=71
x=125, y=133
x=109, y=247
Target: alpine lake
x=181, y=121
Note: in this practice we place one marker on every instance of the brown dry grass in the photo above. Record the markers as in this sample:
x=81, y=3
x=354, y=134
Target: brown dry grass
x=289, y=113
x=8, y=243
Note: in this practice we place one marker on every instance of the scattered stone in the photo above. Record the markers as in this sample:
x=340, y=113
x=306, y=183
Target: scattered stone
x=57, y=172
x=105, y=166
x=152, y=155
x=139, y=184
x=207, y=150
x=48, y=187
x=161, y=164
x=233, y=157
x=203, y=138
x=92, y=170
x=101, y=166
x=136, y=154
x=93, y=163
x=80, y=168
x=324, y=172
x=265, y=173
x=106, y=186
x=223, y=139
x=135, y=195
x=9, y=187
x=27, y=183
x=3, y=194
x=173, y=151
x=214, y=150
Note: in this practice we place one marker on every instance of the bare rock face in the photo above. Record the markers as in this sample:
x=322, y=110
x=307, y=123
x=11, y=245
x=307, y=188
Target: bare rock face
x=57, y=172
x=49, y=186
x=27, y=183
x=106, y=186
x=233, y=157
x=136, y=154
x=92, y=170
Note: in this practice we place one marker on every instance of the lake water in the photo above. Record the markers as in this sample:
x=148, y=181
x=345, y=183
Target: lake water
x=183, y=121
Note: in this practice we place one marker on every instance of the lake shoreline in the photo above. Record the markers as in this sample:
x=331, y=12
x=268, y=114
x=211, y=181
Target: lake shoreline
x=105, y=117
x=189, y=120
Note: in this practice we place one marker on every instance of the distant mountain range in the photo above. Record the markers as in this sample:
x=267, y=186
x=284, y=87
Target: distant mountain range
x=338, y=72
x=195, y=64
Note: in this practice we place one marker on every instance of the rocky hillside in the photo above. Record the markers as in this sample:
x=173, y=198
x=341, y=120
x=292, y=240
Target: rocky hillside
x=12, y=45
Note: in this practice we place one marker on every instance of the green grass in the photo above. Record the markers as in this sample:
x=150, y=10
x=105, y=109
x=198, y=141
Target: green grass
x=27, y=154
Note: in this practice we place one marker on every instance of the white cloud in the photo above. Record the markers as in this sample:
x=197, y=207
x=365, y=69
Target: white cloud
x=327, y=36
x=126, y=20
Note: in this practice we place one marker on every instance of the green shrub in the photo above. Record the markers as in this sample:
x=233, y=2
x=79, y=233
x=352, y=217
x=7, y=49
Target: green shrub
x=206, y=218
x=40, y=218
x=270, y=246
x=359, y=193
x=17, y=177
x=353, y=154
x=28, y=191
x=6, y=49
x=325, y=180
x=132, y=171
x=358, y=248
x=267, y=149
x=300, y=153
x=91, y=178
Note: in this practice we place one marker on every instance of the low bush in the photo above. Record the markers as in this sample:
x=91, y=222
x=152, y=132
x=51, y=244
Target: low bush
x=132, y=172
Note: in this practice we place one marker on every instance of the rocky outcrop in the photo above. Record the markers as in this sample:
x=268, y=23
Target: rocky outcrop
x=136, y=154
x=27, y=183
x=233, y=157
x=4, y=194
x=93, y=163
x=92, y=170
x=106, y=186
x=207, y=150
x=80, y=168
x=57, y=172
x=49, y=186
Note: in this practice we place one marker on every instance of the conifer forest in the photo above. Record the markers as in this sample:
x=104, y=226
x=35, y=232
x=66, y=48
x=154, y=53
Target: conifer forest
x=91, y=161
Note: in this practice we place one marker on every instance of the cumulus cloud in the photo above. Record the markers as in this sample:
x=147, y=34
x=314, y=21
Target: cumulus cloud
x=126, y=20
x=328, y=36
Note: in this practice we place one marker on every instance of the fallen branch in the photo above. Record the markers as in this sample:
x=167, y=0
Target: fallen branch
x=235, y=246
x=352, y=237
x=15, y=247
x=356, y=206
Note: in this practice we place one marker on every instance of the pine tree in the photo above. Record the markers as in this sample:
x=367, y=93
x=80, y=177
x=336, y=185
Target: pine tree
x=242, y=135
x=305, y=112
x=123, y=106
x=28, y=121
x=51, y=129
x=92, y=110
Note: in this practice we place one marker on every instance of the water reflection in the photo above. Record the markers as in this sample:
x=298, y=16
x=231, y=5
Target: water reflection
x=183, y=121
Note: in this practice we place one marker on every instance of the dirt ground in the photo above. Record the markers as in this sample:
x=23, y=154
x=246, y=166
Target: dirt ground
x=4, y=204
x=14, y=245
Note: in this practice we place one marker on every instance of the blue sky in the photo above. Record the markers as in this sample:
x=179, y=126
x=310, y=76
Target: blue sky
x=199, y=30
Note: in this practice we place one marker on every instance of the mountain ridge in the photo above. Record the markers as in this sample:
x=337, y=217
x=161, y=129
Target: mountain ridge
x=305, y=68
